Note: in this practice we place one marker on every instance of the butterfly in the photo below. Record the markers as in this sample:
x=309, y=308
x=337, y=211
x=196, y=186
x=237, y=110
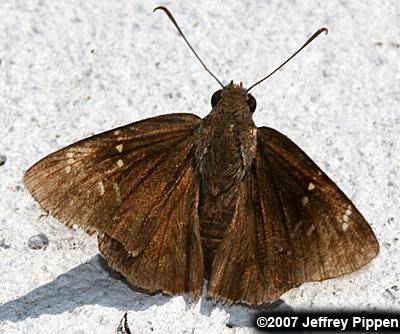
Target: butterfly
x=176, y=199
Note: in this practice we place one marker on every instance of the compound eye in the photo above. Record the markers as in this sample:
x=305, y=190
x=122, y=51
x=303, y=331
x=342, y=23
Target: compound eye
x=252, y=103
x=215, y=98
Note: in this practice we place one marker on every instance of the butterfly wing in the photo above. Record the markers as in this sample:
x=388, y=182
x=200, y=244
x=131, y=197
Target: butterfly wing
x=136, y=186
x=292, y=224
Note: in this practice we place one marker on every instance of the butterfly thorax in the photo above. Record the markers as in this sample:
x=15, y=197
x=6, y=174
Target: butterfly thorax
x=224, y=155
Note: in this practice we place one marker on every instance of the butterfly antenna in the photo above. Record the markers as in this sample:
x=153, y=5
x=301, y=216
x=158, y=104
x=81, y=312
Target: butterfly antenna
x=314, y=36
x=187, y=42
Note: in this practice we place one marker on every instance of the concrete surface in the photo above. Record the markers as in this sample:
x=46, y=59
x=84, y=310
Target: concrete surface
x=69, y=69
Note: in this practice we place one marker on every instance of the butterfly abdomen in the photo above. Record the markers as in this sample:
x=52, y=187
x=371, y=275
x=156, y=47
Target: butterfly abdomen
x=221, y=169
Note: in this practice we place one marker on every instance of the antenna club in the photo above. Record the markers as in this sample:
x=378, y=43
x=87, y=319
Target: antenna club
x=314, y=36
x=161, y=8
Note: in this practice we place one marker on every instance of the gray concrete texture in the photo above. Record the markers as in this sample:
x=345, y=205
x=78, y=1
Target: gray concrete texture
x=70, y=69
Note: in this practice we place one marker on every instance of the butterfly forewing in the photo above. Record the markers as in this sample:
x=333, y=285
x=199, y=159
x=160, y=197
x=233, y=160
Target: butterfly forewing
x=87, y=173
x=325, y=232
x=291, y=225
x=127, y=184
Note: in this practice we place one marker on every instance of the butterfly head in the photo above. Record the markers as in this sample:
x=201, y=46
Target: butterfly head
x=234, y=92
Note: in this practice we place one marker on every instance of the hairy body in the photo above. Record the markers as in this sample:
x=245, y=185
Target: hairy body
x=225, y=150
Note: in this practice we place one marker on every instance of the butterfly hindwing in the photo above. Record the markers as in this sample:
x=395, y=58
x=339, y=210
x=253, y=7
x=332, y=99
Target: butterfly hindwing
x=128, y=184
x=235, y=276
x=172, y=260
x=292, y=224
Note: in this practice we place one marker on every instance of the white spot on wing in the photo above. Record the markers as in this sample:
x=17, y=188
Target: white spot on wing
x=296, y=229
x=68, y=169
x=70, y=161
x=345, y=226
x=101, y=188
x=70, y=154
x=305, y=200
x=310, y=230
x=346, y=215
x=117, y=192
x=134, y=253
x=311, y=186
x=120, y=163
x=119, y=147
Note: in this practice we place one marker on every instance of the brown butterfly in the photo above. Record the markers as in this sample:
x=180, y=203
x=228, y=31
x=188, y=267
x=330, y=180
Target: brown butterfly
x=176, y=199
